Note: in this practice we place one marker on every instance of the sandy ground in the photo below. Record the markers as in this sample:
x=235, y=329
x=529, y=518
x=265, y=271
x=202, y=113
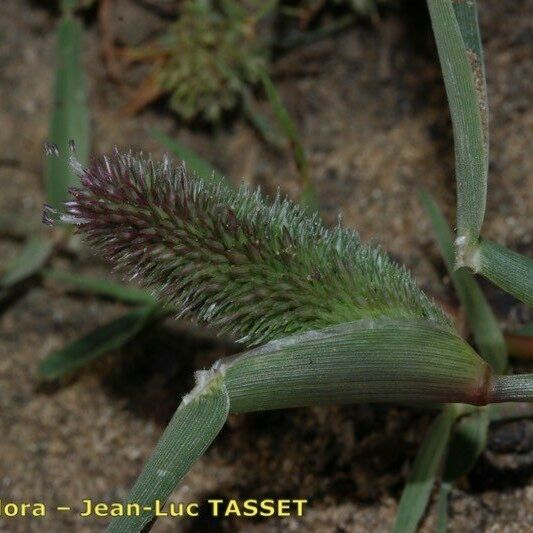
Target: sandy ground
x=372, y=112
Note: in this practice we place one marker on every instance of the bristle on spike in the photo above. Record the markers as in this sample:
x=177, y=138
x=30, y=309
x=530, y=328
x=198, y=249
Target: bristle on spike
x=50, y=215
x=51, y=149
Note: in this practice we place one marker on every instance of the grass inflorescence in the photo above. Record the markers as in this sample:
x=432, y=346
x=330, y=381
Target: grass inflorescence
x=255, y=270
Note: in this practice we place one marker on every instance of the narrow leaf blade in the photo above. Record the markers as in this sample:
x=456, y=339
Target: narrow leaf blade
x=468, y=20
x=442, y=507
x=468, y=441
x=98, y=342
x=470, y=133
x=416, y=493
x=193, y=428
x=193, y=161
x=30, y=260
x=102, y=287
x=309, y=196
x=70, y=115
x=262, y=125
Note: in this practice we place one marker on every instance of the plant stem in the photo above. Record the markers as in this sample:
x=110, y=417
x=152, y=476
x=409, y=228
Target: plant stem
x=517, y=387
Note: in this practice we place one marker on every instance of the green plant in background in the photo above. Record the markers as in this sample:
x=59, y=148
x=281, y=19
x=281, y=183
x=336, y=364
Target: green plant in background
x=70, y=117
x=69, y=124
x=361, y=8
x=69, y=130
x=365, y=6
x=210, y=57
x=309, y=196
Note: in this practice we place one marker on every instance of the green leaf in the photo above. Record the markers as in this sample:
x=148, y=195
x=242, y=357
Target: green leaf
x=484, y=325
x=194, y=426
x=509, y=270
x=263, y=126
x=467, y=18
x=102, y=287
x=464, y=81
x=70, y=115
x=309, y=195
x=13, y=226
x=193, y=161
x=98, y=342
x=310, y=36
x=417, y=491
x=68, y=6
x=469, y=438
x=442, y=507
x=28, y=262
x=265, y=9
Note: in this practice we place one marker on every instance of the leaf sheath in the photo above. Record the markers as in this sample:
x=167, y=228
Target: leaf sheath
x=365, y=361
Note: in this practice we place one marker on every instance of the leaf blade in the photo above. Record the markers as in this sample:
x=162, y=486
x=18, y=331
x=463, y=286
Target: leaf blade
x=70, y=114
x=507, y=269
x=442, y=507
x=28, y=262
x=468, y=440
x=101, y=287
x=193, y=428
x=196, y=163
x=471, y=153
x=309, y=196
x=97, y=343
x=417, y=491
